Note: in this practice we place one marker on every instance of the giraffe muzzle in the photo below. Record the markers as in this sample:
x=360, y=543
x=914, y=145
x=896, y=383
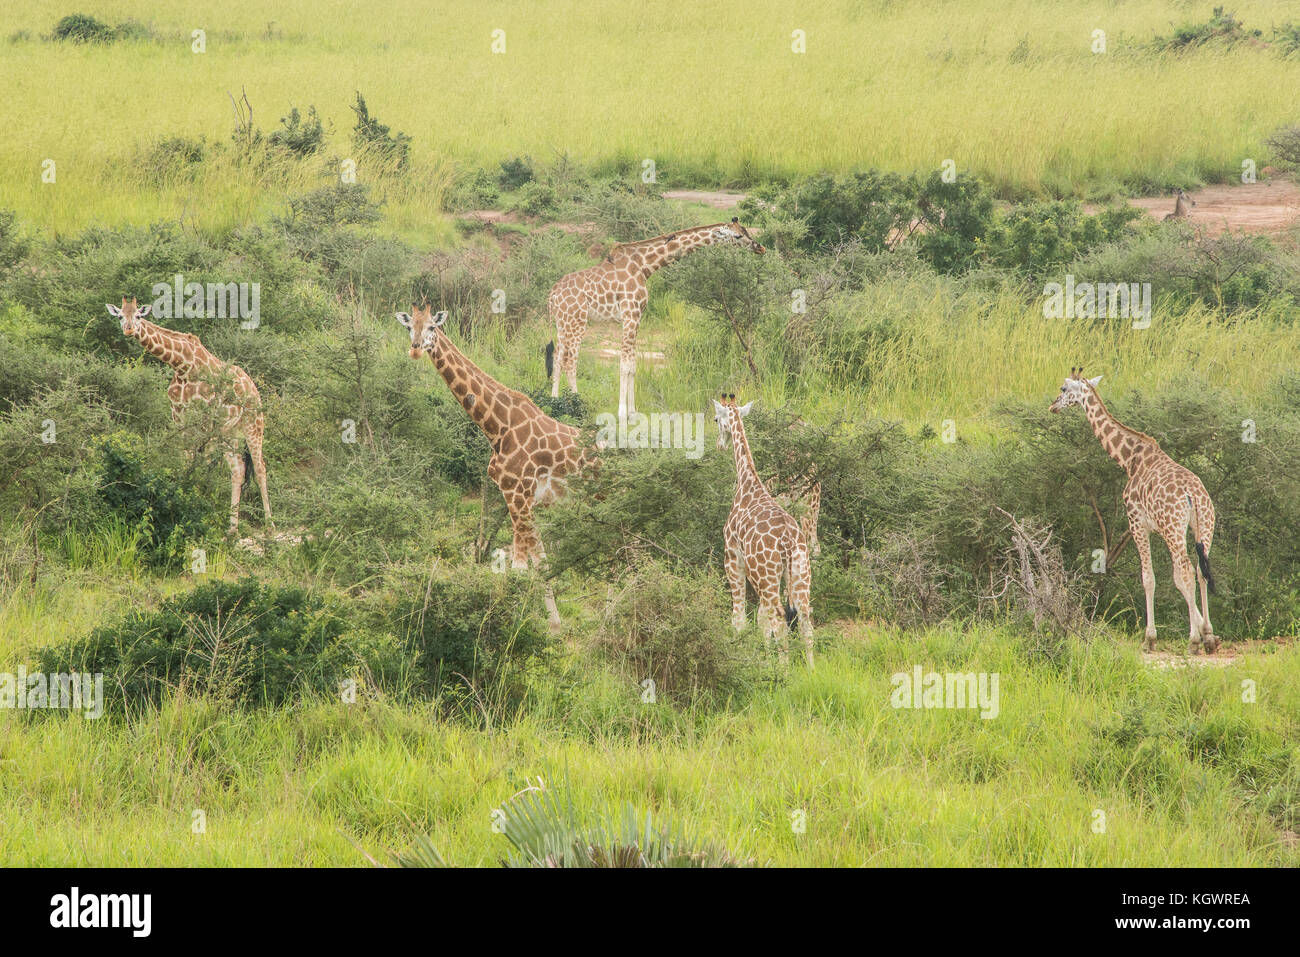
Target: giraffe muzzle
x=417, y=352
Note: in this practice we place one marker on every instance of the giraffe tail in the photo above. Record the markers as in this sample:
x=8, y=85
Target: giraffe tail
x=1202, y=558
x=550, y=358
x=248, y=467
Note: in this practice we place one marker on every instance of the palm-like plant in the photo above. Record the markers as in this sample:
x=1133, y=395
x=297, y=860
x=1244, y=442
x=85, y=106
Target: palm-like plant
x=544, y=830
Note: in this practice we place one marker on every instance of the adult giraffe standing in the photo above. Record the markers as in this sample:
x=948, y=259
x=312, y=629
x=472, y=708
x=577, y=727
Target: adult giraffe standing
x=615, y=289
x=200, y=376
x=1160, y=496
x=763, y=544
x=531, y=452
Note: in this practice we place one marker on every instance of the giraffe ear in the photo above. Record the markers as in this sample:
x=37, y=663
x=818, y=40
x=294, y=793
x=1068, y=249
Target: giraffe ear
x=744, y=409
x=718, y=407
x=1093, y=382
x=404, y=318
x=143, y=311
x=439, y=319
x=114, y=310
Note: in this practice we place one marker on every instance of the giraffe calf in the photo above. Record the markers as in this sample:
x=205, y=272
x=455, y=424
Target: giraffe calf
x=764, y=545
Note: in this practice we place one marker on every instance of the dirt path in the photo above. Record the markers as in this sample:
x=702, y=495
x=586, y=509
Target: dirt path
x=718, y=199
x=1268, y=207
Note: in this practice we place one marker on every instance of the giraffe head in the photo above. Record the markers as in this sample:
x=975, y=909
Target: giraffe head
x=733, y=232
x=130, y=313
x=1074, y=391
x=728, y=415
x=424, y=326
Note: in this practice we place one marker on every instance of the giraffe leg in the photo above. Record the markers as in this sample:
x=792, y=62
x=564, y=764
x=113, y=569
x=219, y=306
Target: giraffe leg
x=537, y=557
x=1185, y=579
x=1210, y=642
x=254, y=439
x=525, y=533
x=1142, y=540
x=557, y=367
x=570, y=362
x=236, y=463
x=627, y=362
x=734, y=562
x=772, y=620
x=801, y=598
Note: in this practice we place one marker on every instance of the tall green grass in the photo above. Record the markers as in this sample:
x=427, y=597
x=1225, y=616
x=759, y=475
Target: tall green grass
x=1207, y=780
x=712, y=93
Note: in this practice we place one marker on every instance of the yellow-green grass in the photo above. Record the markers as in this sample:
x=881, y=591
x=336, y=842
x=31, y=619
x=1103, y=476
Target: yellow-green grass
x=956, y=356
x=710, y=92
x=312, y=784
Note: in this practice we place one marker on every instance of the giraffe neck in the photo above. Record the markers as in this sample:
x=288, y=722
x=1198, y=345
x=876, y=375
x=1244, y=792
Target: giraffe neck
x=1126, y=446
x=653, y=255
x=173, y=348
x=748, y=485
x=473, y=388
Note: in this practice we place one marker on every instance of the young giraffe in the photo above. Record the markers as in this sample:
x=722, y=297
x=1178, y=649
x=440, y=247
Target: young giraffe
x=763, y=544
x=200, y=376
x=616, y=290
x=1182, y=205
x=531, y=452
x=1160, y=496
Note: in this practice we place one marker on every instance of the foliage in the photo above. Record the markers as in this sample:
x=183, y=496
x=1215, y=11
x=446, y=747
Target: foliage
x=370, y=134
x=243, y=641
x=169, y=517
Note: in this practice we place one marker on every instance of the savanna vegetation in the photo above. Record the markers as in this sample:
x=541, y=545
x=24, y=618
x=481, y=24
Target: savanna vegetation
x=366, y=685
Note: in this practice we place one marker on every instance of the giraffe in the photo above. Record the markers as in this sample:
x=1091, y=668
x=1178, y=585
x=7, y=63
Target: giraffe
x=1182, y=204
x=763, y=544
x=804, y=493
x=615, y=289
x=531, y=452
x=1160, y=496
x=199, y=376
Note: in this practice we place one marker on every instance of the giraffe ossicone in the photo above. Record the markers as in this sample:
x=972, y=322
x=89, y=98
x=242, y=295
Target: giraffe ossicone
x=1161, y=496
x=199, y=376
x=615, y=289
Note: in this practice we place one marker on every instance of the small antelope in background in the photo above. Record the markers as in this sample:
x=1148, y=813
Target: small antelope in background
x=1181, y=206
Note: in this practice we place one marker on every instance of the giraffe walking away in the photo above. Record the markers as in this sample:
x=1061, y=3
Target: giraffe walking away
x=531, y=453
x=763, y=544
x=1160, y=496
x=615, y=289
x=199, y=376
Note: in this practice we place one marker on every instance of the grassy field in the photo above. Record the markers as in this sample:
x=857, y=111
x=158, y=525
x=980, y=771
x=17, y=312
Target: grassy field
x=322, y=782
x=1097, y=757
x=712, y=94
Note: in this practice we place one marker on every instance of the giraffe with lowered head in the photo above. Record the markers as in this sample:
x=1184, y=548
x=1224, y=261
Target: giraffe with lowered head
x=615, y=289
x=763, y=544
x=1160, y=496
x=531, y=452
x=199, y=376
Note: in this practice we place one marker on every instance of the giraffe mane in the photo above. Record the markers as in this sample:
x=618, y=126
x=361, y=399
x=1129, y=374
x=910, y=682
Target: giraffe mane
x=1127, y=428
x=664, y=236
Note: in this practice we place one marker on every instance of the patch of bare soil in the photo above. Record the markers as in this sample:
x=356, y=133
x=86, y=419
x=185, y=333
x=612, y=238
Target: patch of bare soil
x=1268, y=207
x=718, y=199
x=605, y=349
x=257, y=547
x=1226, y=655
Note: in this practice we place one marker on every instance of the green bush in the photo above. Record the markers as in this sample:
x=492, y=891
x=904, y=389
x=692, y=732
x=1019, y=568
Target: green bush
x=244, y=642
x=478, y=635
x=81, y=28
x=369, y=133
x=675, y=629
x=169, y=517
x=298, y=136
x=515, y=173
